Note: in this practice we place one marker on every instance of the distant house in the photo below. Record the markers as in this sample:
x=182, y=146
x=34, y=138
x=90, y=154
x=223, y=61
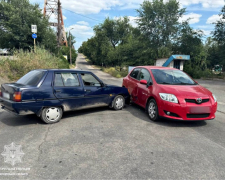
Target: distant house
x=4, y=52
x=175, y=61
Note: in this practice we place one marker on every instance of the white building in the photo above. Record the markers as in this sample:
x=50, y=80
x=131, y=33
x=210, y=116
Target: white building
x=175, y=61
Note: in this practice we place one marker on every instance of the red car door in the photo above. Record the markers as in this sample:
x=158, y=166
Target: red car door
x=133, y=83
x=144, y=91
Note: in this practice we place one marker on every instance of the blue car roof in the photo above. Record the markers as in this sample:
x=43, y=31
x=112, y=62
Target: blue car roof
x=55, y=70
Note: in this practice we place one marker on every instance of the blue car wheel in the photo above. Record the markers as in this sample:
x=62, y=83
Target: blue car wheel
x=118, y=102
x=51, y=115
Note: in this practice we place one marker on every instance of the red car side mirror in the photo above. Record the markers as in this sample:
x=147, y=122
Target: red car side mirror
x=143, y=82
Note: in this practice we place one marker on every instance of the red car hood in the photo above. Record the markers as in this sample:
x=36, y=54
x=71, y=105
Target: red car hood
x=194, y=91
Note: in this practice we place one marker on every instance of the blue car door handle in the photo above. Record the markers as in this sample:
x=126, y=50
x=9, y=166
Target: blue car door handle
x=87, y=90
x=57, y=90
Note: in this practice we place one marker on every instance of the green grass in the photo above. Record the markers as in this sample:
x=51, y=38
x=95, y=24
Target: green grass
x=26, y=61
x=110, y=70
x=114, y=72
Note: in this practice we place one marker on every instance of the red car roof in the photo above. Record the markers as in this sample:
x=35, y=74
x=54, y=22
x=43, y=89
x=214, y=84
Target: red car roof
x=155, y=67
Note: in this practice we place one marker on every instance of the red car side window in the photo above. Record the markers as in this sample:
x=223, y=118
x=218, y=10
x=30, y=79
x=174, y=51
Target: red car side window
x=144, y=74
x=134, y=73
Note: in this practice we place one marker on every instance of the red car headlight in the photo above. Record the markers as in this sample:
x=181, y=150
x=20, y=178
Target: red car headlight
x=168, y=97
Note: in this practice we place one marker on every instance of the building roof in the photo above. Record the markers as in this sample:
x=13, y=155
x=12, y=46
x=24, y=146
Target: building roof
x=176, y=57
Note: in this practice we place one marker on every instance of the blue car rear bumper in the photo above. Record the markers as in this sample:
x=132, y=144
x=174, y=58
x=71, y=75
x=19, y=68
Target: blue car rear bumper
x=19, y=108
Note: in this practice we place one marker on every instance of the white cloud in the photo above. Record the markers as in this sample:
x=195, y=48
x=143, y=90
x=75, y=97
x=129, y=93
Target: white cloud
x=207, y=29
x=207, y=32
x=194, y=18
x=81, y=31
x=204, y=3
x=133, y=20
x=89, y=7
x=83, y=23
x=64, y=18
x=95, y=6
x=213, y=19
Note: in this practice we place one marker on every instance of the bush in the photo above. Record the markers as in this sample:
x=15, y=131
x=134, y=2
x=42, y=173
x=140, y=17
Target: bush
x=115, y=73
x=25, y=61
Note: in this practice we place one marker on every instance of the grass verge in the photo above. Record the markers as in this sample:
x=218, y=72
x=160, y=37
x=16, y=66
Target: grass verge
x=110, y=70
x=26, y=61
x=114, y=72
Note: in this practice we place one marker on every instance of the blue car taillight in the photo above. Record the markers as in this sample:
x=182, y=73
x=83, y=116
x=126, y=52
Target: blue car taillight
x=17, y=97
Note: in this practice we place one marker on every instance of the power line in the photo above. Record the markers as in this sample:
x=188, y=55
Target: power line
x=82, y=15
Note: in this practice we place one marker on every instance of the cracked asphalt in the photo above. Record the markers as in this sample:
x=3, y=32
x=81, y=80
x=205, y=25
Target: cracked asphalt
x=105, y=144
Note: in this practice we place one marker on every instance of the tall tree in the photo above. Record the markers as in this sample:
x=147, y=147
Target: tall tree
x=158, y=22
x=189, y=41
x=116, y=30
x=16, y=18
x=219, y=37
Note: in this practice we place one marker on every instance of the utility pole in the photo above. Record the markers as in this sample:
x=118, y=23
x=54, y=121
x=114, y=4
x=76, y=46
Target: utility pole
x=59, y=29
x=70, y=47
x=53, y=9
x=70, y=51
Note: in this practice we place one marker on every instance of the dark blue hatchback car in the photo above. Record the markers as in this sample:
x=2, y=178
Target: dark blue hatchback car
x=49, y=93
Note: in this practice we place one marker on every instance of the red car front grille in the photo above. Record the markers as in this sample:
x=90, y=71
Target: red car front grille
x=194, y=101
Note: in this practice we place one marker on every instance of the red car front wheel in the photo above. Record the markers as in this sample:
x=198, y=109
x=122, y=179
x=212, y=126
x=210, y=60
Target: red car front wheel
x=152, y=110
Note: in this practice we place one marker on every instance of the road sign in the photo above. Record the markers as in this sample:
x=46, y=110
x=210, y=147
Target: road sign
x=34, y=36
x=34, y=28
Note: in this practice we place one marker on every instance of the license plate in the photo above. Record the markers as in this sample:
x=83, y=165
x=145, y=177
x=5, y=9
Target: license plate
x=6, y=95
x=199, y=110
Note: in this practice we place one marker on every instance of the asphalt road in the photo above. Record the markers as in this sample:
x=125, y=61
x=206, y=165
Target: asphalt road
x=105, y=144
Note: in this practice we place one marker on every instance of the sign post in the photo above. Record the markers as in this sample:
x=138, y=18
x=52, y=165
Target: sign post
x=34, y=35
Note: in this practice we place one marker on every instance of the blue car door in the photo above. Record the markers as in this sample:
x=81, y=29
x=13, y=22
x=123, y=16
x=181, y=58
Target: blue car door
x=96, y=94
x=68, y=89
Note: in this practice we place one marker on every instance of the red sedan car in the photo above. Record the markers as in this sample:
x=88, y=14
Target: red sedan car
x=169, y=93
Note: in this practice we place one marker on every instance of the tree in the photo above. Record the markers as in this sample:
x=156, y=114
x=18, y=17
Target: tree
x=66, y=51
x=16, y=18
x=158, y=22
x=116, y=30
x=189, y=41
x=219, y=37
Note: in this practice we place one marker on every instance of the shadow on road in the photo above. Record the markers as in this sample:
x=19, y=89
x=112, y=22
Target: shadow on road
x=13, y=120
x=85, y=112
x=133, y=109
x=140, y=113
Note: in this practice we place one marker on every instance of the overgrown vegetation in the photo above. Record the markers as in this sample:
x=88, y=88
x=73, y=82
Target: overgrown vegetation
x=26, y=61
x=159, y=34
x=113, y=71
x=16, y=18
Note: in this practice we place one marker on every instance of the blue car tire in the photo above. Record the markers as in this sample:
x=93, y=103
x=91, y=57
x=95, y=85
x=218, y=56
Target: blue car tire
x=118, y=102
x=51, y=115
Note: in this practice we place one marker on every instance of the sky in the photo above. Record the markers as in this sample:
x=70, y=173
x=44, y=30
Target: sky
x=83, y=15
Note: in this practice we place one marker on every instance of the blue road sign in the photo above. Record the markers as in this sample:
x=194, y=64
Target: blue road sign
x=34, y=36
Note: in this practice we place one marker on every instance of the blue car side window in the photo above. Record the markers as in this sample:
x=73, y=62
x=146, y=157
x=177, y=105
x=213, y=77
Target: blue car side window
x=90, y=80
x=58, y=80
x=70, y=79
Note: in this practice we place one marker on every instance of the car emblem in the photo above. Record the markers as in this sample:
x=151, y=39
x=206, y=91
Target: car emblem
x=199, y=100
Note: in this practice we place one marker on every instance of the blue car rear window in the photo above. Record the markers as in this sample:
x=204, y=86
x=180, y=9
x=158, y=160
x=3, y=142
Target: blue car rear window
x=32, y=78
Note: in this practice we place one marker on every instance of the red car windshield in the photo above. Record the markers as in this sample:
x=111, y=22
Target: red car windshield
x=171, y=76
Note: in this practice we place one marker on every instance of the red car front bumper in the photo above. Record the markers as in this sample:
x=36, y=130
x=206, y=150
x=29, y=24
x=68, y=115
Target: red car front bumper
x=187, y=111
